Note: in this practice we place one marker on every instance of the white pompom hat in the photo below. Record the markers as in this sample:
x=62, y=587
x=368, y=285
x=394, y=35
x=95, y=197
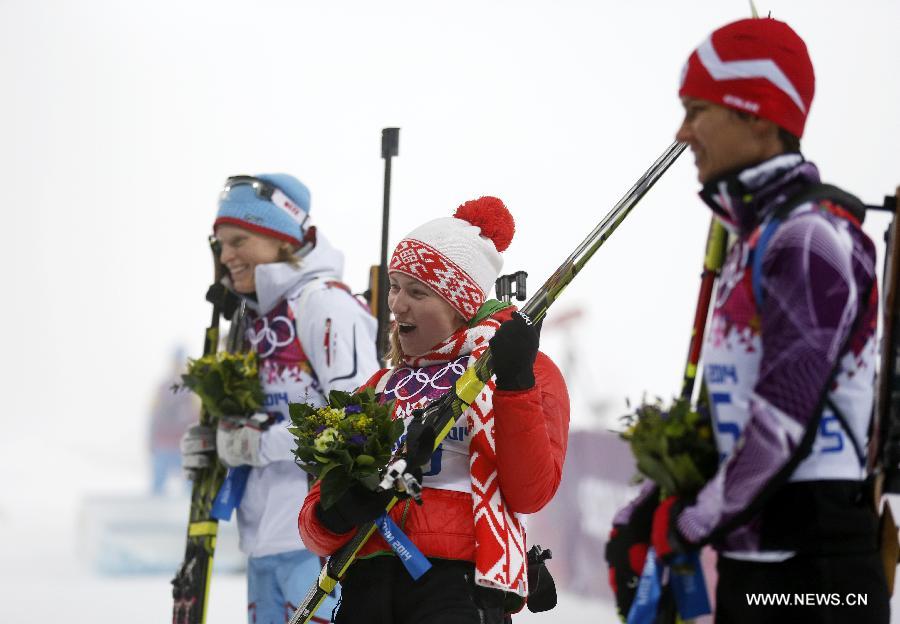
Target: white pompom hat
x=458, y=257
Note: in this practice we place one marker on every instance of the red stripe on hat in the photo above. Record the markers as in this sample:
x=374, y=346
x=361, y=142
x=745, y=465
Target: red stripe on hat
x=426, y=264
x=256, y=228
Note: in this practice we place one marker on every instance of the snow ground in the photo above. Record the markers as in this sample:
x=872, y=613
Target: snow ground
x=43, y=572
x=43, y=545
x=43, y=568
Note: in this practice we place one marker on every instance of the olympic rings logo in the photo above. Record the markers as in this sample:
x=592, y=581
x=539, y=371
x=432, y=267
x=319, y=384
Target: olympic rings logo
x=417, y=381
x=264, y=337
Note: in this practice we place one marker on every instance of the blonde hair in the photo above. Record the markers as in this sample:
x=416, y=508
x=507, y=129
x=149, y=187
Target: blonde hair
x=286, y=253
x=395, y=353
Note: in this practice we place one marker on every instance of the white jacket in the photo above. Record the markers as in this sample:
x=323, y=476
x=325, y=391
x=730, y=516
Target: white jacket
x=312, y=336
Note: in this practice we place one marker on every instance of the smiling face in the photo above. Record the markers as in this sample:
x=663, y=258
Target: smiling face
x=723, y=140
x=423, y=318
x=242, y=252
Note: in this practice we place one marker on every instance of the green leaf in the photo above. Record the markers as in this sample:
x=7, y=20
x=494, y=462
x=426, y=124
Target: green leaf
x=343, y=456
x=313, y=469
x=305, y=453
x=337, y=398
x=325, y=469
x=300, y=411
x=396, y=430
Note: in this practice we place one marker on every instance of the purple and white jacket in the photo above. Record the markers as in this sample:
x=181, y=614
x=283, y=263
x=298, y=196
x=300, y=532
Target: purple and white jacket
x=792, y=464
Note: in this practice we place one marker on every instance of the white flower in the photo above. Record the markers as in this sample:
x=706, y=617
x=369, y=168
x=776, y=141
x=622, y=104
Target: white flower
x=327, y=440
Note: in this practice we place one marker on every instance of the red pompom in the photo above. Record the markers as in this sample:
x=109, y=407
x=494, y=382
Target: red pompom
x=489, y=214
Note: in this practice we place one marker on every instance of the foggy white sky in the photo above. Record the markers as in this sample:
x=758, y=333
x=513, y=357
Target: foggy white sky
x=121, y=119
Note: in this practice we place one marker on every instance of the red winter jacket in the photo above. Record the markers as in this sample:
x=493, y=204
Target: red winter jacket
x=532, y=428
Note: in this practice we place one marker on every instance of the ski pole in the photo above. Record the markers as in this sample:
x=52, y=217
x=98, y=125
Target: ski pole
x=712, y=265
x=443, y=413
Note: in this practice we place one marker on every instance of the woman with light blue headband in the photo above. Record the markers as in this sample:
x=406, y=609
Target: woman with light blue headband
x=311, y=336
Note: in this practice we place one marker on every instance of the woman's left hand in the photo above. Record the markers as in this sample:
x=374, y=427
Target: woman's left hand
x=513, y=349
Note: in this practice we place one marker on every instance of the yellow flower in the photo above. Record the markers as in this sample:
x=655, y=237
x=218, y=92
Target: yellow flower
x=332, y=416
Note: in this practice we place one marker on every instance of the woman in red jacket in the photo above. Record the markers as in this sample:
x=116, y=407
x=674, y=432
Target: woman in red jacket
x=502, y=459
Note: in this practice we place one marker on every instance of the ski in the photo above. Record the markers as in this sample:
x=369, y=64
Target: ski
x=440, y=415
x=190, y=587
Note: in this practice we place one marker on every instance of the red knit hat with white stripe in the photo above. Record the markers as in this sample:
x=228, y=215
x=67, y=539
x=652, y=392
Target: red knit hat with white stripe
x=458, y=257
x=758, y=66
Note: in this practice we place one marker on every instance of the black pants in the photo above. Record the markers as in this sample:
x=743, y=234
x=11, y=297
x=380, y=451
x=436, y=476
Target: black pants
x=381, y=591
x=820, y=590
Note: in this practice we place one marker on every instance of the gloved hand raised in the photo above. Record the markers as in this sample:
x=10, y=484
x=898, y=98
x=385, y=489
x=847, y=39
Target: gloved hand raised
x=513, y=349
x=198, y=447
x=355, y=507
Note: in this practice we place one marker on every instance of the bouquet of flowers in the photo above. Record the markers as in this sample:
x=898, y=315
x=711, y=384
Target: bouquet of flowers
x=673, y=446
x=227, y=384
x=348, y=440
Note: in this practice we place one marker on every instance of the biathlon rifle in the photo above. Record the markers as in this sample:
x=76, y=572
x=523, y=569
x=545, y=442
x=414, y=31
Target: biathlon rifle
x=884, y=445
x=378, y=279
x=884, y=452
x=440, y=415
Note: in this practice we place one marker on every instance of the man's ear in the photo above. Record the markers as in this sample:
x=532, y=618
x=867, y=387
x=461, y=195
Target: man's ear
x=764, y=129
x=767, y=135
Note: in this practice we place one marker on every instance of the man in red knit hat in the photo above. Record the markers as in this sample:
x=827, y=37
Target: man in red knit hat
x=789, y=357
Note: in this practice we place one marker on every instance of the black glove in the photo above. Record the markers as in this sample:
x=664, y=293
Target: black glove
x=355, y=507
x=513, y=350
x=541, y=588
x=626, y=551
x=227, y=301
x=419, y=442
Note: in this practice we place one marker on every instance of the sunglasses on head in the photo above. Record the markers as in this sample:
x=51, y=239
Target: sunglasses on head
x=268, y=192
